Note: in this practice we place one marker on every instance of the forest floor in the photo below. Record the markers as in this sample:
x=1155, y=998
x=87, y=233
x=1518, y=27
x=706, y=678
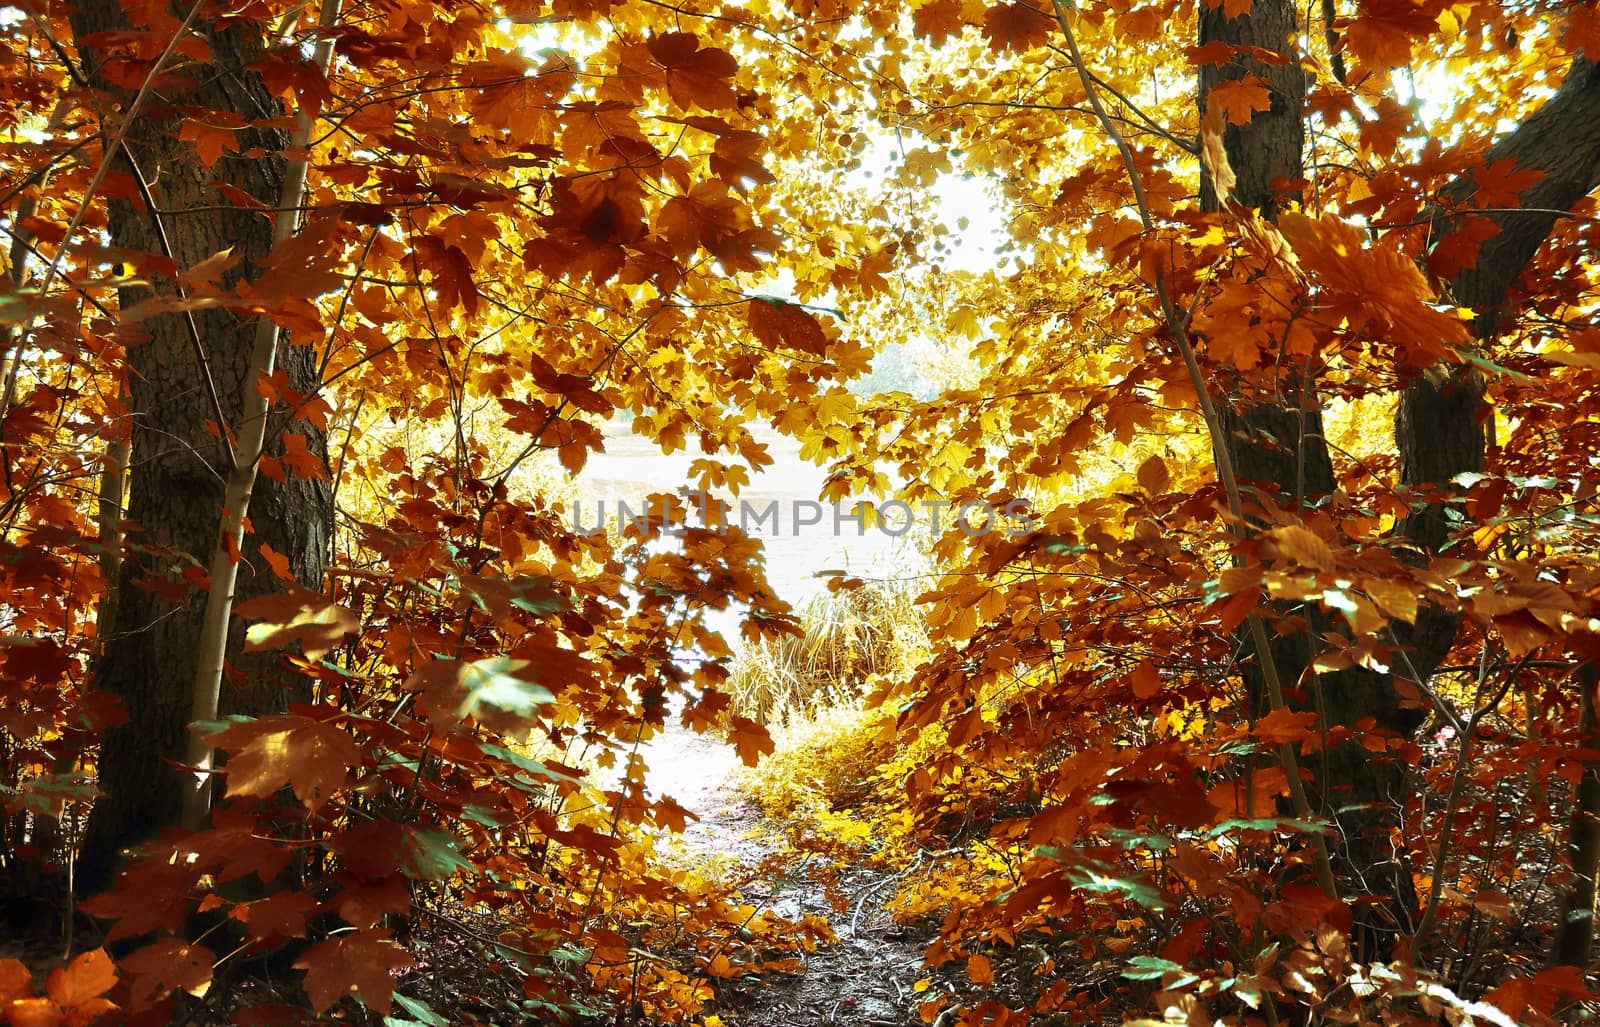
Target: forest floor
x=866, y=976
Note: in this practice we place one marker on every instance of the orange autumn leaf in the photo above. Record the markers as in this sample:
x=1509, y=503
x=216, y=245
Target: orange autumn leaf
x=311, y=757
x=360, y=964
x=1240, y=99
x=779, y=323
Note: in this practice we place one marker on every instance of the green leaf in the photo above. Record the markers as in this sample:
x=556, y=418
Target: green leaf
x=420, y=1010
x=1265, y=824
x=208, y=728
x=51, y=793
x=479, y=815
x=499, y=682
x=1130, y=840
x=535, y=767
x=1151, y=968
x=1472, y=356
x=1098, y=878
x=430, y=854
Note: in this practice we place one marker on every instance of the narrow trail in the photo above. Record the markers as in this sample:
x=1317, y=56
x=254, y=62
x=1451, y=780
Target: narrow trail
x=866, y=977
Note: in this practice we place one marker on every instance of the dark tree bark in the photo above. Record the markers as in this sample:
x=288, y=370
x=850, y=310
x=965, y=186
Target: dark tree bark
x=1267, y=152
x=178, y=464
x=1441, y=427
x=1275, y=438
x=1574, y=934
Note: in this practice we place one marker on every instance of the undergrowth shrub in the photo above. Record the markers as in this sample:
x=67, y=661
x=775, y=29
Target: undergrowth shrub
x=823, y=762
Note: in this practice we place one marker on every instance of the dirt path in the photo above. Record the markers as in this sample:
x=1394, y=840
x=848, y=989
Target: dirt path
x=863, y=979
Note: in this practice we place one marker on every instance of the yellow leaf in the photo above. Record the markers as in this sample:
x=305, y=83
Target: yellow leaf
x=1303, y=546
x=1214, y=154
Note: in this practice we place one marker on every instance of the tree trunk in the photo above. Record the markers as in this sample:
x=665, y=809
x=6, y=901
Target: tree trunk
x=1573, y=939
x=178, y=463
x=1276, y=441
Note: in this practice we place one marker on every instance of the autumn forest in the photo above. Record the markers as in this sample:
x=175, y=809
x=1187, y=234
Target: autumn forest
x=1225, y=374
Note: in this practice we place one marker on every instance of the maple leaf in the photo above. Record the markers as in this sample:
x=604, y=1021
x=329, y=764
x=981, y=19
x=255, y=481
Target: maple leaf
x=1016, y=26
x=276, y=917
x=499, y=692
x=524, y=104
x=302, y=267
x=696, y=76
x=778, y=323
x=76, y=988
x=311, y=756
x=300, y=616
x=700, y=218
x=1285, y=726
x=1216, y=52
x=360, y=963
x=670, y=816
x=298, y=459
x=1459, y=248
x=1501, y=185
x=938, y=21
x=278, y=562
x=451, y=272
x=1381, y=290
x=1381, y=34
x=750, y=739
x=1240, y=99
x=168, y=965
x=209, y=141
x=285, y=72
x=702, y=715
x=364, y=903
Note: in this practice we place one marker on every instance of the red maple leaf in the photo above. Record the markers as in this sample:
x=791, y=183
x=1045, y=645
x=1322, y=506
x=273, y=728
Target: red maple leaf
x=356, y=964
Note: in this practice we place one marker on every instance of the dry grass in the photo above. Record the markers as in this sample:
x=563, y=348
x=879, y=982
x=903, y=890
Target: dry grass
x=852, y=637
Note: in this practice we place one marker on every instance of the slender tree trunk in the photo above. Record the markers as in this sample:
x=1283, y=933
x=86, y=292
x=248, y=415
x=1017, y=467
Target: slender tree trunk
x=178, y=462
